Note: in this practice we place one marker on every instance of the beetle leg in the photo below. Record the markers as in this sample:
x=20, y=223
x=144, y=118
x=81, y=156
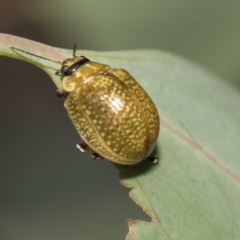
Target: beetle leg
x=58, y=73
x=96, y=156
x=153, y=159
x=60, y=95
x=82, y=147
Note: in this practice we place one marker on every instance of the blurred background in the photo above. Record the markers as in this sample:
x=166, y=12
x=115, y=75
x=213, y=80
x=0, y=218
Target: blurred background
x=47, y=189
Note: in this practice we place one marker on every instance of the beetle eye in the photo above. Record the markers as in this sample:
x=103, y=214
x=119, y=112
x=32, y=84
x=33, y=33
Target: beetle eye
x=65, y=70
x=69, y=70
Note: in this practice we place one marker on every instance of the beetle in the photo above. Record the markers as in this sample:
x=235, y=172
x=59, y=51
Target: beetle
x=113, y=114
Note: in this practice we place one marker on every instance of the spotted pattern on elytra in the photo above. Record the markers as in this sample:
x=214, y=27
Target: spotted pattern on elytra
x=148, y=107
x=112, y=113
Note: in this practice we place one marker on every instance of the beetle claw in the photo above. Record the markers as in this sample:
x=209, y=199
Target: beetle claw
x=81, y=147
x=153, y=159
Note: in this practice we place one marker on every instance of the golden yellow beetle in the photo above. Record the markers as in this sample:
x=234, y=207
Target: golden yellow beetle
x=112, y=113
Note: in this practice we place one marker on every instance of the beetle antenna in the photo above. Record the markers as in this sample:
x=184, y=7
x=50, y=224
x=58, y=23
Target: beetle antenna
x=74, y=49
x=58, y=62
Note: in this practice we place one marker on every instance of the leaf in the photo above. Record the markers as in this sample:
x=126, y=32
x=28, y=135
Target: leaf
x=194, y=191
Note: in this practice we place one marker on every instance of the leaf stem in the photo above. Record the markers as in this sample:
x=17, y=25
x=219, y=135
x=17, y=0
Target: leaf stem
x=8, y=42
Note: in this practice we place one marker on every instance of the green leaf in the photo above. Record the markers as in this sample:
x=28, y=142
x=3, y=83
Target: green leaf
x=194, y=190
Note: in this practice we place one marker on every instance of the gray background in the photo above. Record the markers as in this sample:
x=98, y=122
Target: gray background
x=47, y=189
